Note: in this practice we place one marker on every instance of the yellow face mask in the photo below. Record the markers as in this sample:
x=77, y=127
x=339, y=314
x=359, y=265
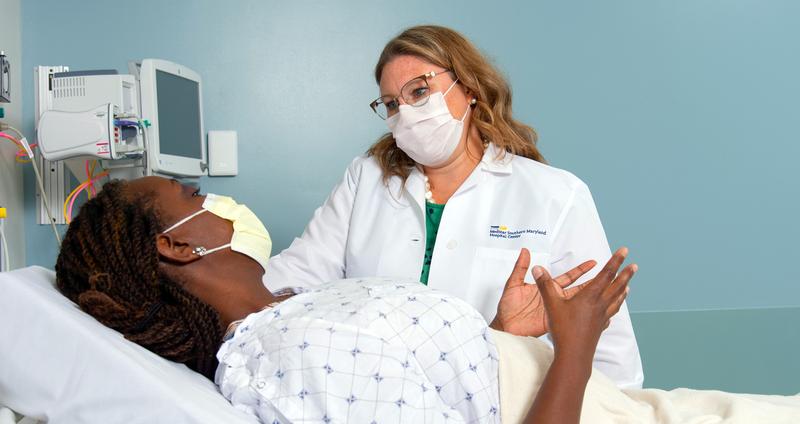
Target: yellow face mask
x=250, y=237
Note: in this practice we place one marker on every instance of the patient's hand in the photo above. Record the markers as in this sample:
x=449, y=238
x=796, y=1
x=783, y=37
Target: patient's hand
x=521, y=310
x=576, y=322
x=575, y=325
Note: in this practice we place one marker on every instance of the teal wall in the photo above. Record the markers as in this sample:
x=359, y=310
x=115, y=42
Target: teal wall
x=681, y=115
x=736, y=350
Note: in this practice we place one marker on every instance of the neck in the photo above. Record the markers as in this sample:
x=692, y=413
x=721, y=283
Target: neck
x=236, y=307
x=446, y=180
x=233, y=291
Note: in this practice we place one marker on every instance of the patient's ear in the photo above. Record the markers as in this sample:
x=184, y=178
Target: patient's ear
x=174, y=250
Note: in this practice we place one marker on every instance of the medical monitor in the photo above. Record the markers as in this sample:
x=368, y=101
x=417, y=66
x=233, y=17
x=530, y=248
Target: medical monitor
x=171, y=99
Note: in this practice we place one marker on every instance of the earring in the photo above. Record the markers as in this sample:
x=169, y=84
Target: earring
x=199, y=250
x=473, y=101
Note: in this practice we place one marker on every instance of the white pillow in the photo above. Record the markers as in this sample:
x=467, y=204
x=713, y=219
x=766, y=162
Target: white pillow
x=59, y=364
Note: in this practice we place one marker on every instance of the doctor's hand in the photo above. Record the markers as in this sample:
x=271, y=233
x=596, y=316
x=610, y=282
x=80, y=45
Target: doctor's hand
x=576, y=322
x=521, y=308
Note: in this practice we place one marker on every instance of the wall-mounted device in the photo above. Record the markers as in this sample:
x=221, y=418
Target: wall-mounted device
x=223, y=153
x=5, y=79
x=94, y=113
x=171, y=99
x=148, y=123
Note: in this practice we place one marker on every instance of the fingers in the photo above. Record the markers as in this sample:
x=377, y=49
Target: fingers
x=620, y=284
x=572, y=275
x=615, y=295
x=609, y=271
x=572, y=291
x=614, y=306
x=517, y=276
x=548, y=288
x=619, y=291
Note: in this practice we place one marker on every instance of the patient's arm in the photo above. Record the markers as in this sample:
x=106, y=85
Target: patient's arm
x=575, y=325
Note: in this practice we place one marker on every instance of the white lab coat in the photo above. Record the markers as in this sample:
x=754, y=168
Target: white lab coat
x=366, y=228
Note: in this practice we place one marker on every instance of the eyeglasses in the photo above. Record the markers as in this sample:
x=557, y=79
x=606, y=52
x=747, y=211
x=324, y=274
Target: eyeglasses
x=415, y=92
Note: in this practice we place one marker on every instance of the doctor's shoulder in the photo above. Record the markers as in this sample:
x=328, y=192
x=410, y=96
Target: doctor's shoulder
x=366, y=174
x=553, y=182
x=364, y=170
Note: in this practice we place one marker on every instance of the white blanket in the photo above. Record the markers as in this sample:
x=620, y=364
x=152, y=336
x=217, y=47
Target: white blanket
x=524, y=363
x=8, y=416
x=58, y=364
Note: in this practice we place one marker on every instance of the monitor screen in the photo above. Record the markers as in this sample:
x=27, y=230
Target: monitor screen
x=179, y=127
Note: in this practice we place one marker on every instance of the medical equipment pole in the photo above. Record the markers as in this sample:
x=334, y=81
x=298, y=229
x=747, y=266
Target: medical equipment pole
x=4, y=265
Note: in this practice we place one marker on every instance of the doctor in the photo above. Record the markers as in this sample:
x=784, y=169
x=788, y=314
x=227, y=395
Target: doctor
x=452, y=194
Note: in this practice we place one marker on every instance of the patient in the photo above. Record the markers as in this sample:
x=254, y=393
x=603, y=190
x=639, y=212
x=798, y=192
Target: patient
x=171, y=270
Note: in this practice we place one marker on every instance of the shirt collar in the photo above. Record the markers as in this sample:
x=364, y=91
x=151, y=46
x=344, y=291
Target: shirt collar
x=415, y=184
x=496, y=160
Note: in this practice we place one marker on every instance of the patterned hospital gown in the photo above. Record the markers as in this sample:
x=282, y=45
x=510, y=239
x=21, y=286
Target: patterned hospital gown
x=363, y=351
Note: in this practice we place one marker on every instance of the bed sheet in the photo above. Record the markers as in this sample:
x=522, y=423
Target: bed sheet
x=524, y=362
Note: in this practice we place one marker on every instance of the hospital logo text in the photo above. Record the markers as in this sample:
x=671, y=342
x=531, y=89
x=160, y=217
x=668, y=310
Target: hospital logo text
x=502, y=231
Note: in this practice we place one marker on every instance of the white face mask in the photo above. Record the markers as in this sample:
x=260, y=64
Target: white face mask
x=428, y=134
x=250, y=237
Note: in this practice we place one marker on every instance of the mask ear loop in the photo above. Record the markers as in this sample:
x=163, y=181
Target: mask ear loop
x=450, y=88
x=471, y=102
x=183, y=221
x=467, y=111
x=199, y=250
x=202, y=251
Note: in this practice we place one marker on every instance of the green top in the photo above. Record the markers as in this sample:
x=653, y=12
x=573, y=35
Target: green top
x=433, y=216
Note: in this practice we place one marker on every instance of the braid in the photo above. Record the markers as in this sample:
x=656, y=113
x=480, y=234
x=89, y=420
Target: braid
x=108, y=265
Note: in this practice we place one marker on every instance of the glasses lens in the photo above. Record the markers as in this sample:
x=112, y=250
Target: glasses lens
x=379, y=107
x=385, y=107
x=391, y=106
x=416, y=92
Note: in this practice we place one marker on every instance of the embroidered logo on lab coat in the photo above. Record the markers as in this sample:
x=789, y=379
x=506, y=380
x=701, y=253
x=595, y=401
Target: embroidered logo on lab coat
x=503, y=231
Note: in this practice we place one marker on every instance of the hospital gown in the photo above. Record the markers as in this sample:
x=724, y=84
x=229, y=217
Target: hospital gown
x=363, y=351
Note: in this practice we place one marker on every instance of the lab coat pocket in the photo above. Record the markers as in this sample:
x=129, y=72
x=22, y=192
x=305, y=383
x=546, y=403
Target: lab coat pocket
x=491, y=267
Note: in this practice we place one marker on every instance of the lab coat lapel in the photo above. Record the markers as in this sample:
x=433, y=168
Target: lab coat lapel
x=415, y=189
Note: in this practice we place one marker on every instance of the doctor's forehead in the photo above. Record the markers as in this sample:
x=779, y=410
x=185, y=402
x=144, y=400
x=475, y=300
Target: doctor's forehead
x=400, y=70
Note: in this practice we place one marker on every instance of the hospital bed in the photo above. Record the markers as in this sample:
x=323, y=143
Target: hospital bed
x=59, y=365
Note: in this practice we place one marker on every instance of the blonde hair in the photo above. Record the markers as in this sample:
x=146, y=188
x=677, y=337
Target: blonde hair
x=491, y=114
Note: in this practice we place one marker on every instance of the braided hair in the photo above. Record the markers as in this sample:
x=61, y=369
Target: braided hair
x=108, y=265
